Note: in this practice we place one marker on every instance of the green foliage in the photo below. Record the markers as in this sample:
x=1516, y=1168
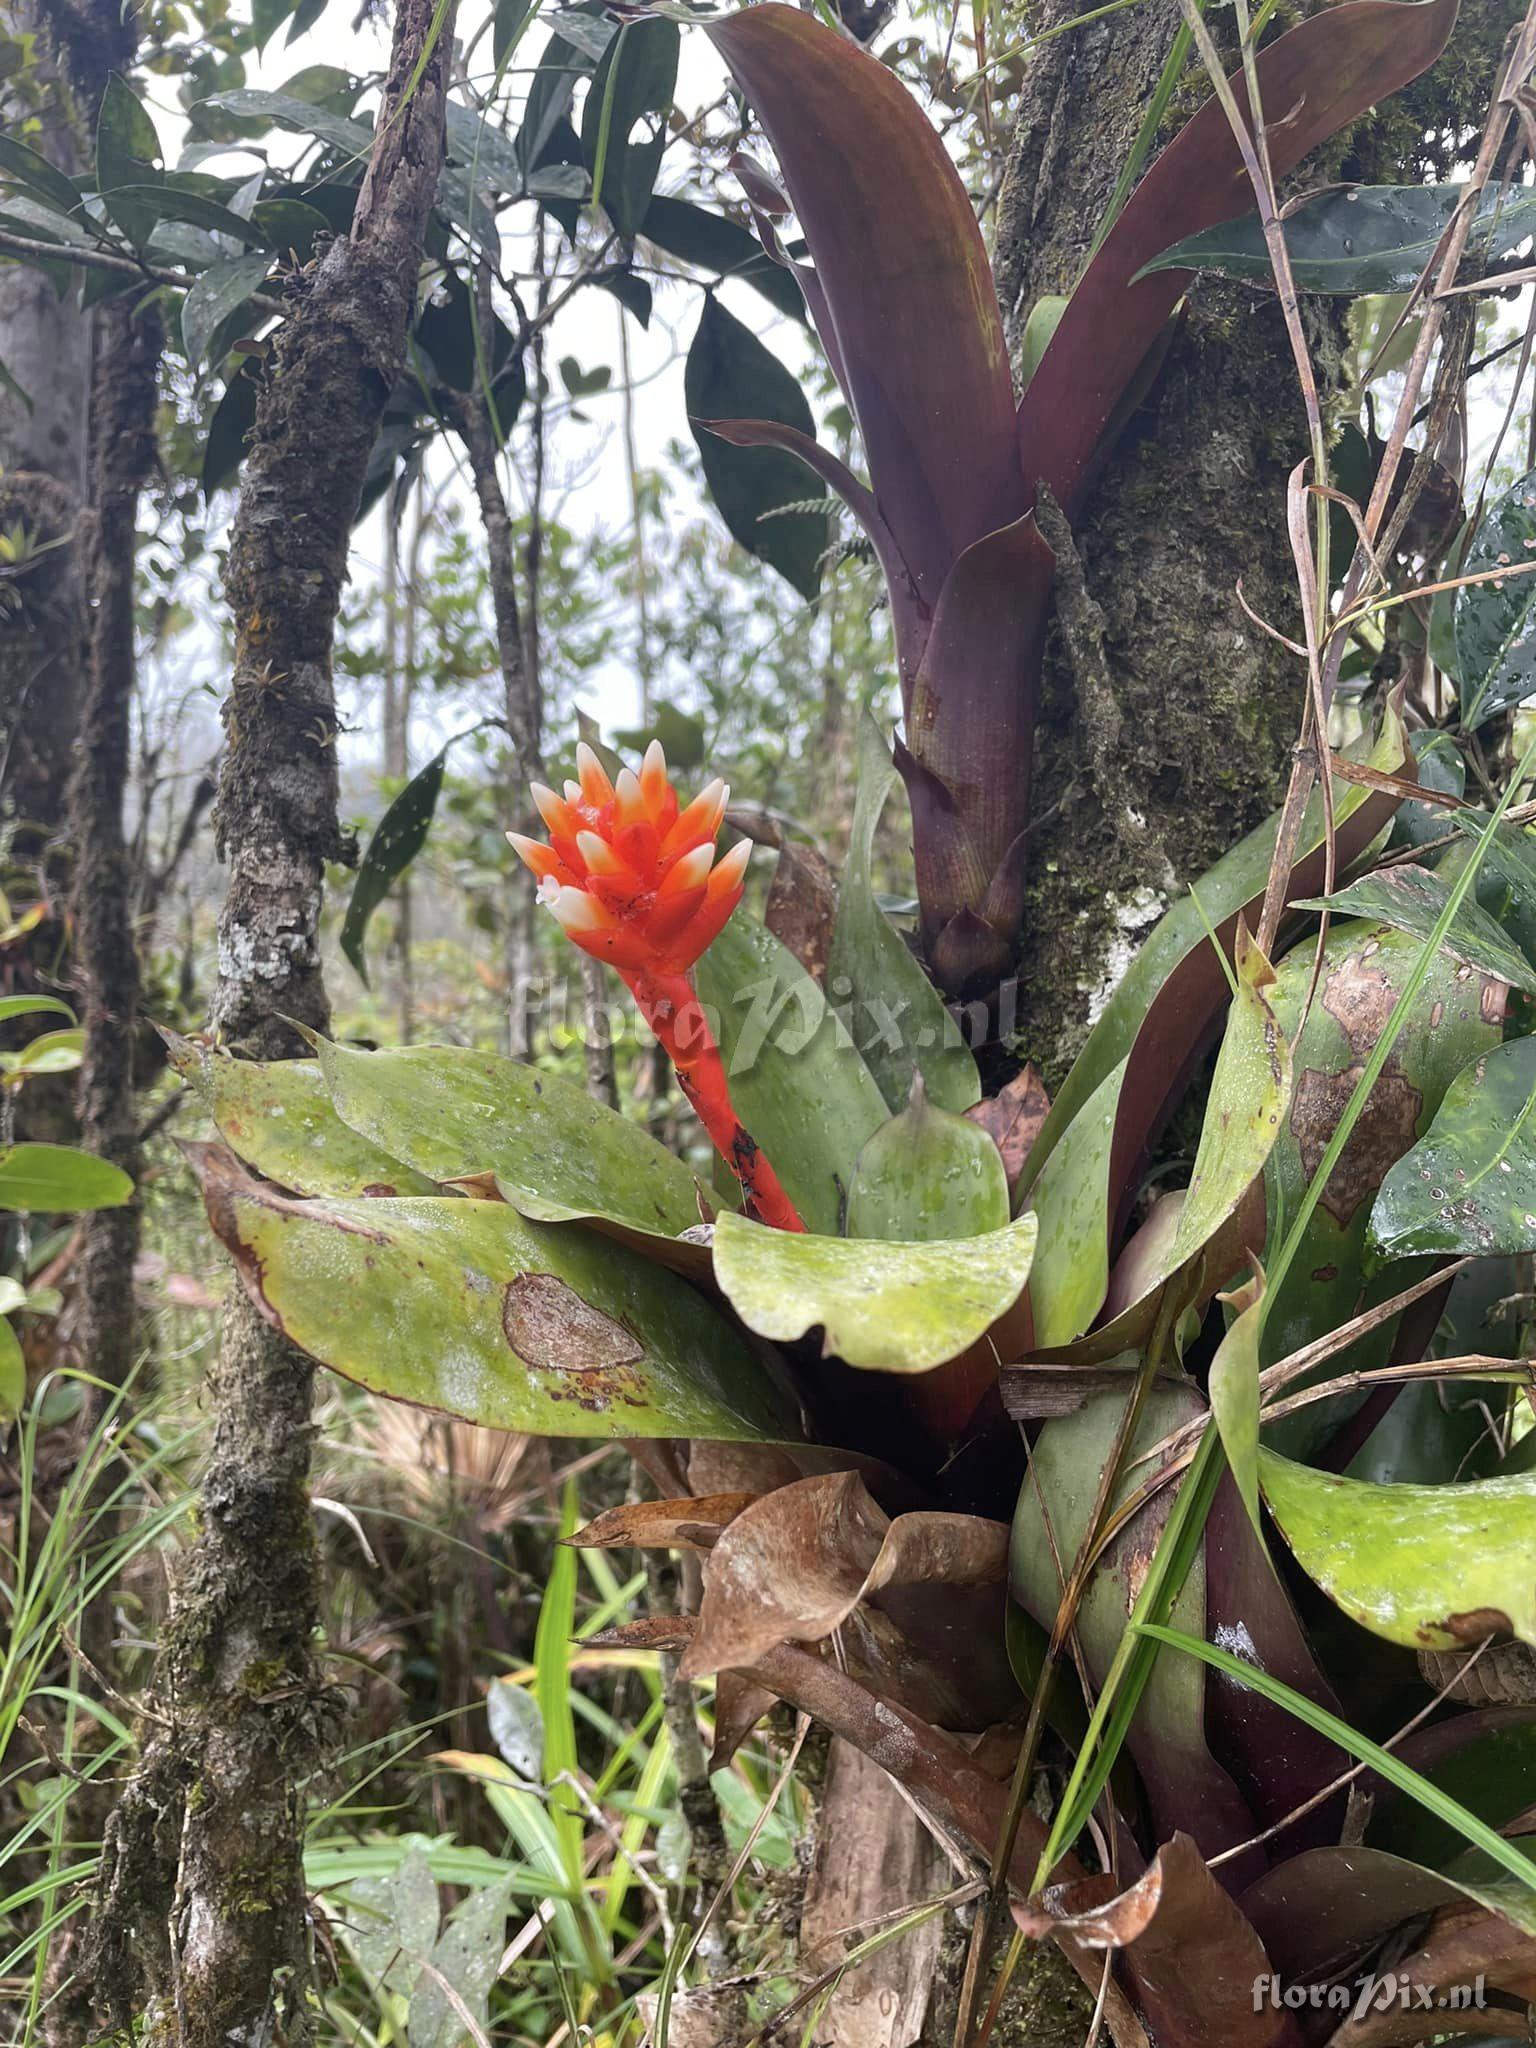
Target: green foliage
x=1469, y=1185
x=732, y=376
x=1495, y=651
x=887, y=1307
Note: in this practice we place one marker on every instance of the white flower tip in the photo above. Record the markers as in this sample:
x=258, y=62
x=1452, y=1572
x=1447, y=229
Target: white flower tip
x=598, y=854
x=692, y=871
x=732, y=866
x=577, y=911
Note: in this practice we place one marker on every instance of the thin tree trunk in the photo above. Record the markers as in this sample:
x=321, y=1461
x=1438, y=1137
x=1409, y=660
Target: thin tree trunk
x=1168, y=717
x=201, y=1901
x=45, y=344
x=129, y=340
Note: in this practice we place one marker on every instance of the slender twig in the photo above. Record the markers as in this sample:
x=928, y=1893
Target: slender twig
x=31, y=250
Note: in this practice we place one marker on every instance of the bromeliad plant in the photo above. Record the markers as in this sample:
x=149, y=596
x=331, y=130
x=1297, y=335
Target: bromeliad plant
x=902, y=295
x=1194, y=1500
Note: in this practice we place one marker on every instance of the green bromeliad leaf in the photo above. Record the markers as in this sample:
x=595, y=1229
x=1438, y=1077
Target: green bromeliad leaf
x=1175, y=980
x=1411, y=898
x=1250, y=1096
x=1469, y=1185
x=557, y=1155
x=928, y=1174
x=278, y=1117
x=889, y=1307
x=1071, y=1197
x=799, y=1084
x=1434, y=1567
x=469, y=1308
x=895, y=1013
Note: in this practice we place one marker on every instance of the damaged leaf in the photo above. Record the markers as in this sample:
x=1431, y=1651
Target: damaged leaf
x=1198, y=1960
x=794, y=1565
x=469, y=1308
x=1411, y=898
x=277, y=1115
x=1434, y=1567
x=694, y=1523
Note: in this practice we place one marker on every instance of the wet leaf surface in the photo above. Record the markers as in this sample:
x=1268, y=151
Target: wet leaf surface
x=1411, y=898
x=1495, y=622
x=889, y=1307
x=278, y=1116
x=1358, y=238
x=1469, y=1185
x=928, y=1175
x=450, y=1112
x=468, y=1308
x=1433, y=1567
x=1455, y=1017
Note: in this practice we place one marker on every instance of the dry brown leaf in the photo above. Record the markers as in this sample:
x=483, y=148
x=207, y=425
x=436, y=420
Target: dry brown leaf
x=789, y=1569
x=1196, y=1958
x=1014, y=1118
x=1466, y=1946
x=739, y=1706
x=693, y=1523
x=795, y=1564
x=802, y=906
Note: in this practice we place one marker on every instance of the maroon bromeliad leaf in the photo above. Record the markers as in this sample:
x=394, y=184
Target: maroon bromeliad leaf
x=899, y=259
x=1312, y=82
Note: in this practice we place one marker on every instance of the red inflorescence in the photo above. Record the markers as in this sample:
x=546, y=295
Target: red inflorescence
x=631, y=874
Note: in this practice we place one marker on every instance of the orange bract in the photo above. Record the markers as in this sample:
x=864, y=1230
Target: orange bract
x=629, y=873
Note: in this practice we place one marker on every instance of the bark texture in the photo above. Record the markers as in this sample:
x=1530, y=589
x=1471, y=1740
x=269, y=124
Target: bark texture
x=129, y=340
x=45, y=344
x=1167, y=717
x=201, y=1910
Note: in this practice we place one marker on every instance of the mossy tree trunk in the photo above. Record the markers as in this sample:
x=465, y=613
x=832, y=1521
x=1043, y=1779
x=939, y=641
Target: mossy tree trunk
x=1151, y=762
x=201, y=1916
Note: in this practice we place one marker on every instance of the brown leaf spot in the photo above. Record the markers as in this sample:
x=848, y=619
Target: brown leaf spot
x=549, y=1325
x=1382, y=1135
x=1477, y=1623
